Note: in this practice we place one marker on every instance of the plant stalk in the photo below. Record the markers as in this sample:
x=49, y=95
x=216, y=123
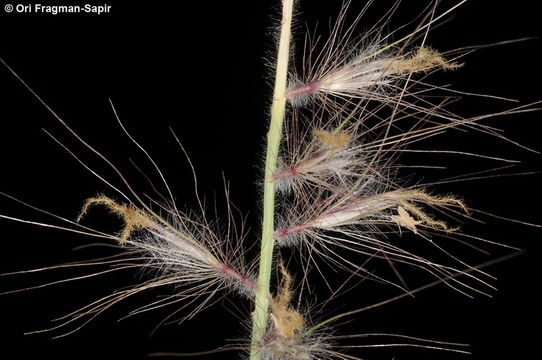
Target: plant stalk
x=261, y=307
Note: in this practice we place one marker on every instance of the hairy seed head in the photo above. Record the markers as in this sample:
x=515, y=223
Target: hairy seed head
x=174, y=248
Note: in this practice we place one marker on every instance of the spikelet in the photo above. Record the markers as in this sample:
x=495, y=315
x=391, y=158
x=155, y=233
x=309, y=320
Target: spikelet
x=175, y=247
x=325, y=160
x=182, y=253
x=356, y=210
x=367, y=76
x=361, y=224
x=370, y=69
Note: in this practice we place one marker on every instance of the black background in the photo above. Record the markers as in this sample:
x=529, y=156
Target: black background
x=199, y=68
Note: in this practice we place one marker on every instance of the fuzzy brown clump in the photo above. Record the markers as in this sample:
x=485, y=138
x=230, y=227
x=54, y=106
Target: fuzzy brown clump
x=333, y=140
x=284, y=338
x=134, y=219
x=287, y=321
x=424, y=59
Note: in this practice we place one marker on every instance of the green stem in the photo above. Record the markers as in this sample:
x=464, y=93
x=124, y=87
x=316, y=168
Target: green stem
x=278, y=109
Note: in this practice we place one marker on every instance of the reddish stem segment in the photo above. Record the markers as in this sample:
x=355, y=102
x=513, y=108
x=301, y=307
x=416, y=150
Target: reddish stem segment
x=303, y=89
x=231, y=273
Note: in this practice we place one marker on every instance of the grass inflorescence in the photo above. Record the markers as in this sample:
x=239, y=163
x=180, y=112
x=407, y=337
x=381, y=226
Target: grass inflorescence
x=337, y=197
